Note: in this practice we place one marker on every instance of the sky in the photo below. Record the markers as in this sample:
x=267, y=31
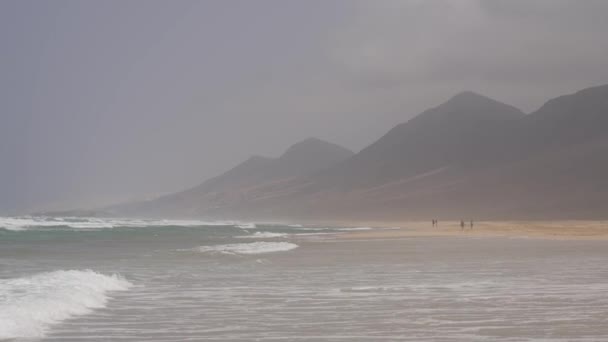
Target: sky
x=116, y=100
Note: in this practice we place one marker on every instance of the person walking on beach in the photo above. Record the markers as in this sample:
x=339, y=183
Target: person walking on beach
x=461, y=224
x=471, y=223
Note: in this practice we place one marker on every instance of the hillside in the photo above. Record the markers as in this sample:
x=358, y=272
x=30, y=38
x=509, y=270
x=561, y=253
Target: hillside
x=235, y=185
x=470, y=156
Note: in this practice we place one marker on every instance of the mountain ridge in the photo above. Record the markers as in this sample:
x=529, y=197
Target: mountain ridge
x=470, y=156
x=304, y=157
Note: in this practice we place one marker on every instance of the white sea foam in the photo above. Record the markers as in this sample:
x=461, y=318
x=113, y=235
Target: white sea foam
x=262, y=235
x=310, y=228
x=330, y=228
x=246, y=225
x=30, y=305
x=26, y=222
x=260, y=247
x=315, y=234
x=354, y=229
x=372, y=289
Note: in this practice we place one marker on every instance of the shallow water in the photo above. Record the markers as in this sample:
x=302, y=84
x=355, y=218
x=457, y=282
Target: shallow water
x=155, y=283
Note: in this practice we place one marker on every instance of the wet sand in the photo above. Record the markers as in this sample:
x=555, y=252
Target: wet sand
x=576, y=230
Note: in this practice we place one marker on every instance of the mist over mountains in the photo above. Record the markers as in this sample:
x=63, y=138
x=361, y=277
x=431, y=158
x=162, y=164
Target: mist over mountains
x=470, y=156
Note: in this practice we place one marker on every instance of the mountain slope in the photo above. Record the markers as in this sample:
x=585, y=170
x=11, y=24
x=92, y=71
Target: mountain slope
x=302, y=158
x=466, y=129
x=470, y=156
x=549, y=164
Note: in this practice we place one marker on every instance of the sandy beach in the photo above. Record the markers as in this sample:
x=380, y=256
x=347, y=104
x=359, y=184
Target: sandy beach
x=592, y=230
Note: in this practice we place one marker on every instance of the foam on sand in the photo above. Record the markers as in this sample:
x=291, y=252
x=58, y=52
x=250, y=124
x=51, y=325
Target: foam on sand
x=354, y=228
x=30, y=305
x=260, y=247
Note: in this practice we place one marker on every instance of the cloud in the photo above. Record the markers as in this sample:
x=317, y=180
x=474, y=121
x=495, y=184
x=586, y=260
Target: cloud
x=394, y=43
x=104, y=100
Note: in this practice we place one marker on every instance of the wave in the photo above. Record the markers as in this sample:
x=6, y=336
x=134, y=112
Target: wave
x=354, y=229
x=262, y=235
x=310, y=228
x=28, y=223
x=330, y=229
x=260, y=247
x=371, y=289
x=246, y=225
x=315, y=234
x=30, y=305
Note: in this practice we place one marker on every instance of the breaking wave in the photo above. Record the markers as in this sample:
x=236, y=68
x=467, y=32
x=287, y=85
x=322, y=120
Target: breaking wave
x=260, y=247
x=30, y=305
x=246, y=226
x=28, y=223
x=262, y=235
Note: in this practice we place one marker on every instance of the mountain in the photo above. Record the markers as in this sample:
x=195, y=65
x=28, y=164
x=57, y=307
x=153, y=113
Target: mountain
x=470, y=156
x=305, y=157
x=466, y=129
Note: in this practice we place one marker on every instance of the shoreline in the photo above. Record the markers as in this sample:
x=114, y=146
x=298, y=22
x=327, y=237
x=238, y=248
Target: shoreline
x=563, y=230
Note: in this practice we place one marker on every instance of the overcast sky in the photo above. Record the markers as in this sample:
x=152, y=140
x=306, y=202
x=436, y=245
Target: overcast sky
x=105, y=101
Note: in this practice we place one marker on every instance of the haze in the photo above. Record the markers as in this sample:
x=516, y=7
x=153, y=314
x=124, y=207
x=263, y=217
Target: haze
x=110, y=101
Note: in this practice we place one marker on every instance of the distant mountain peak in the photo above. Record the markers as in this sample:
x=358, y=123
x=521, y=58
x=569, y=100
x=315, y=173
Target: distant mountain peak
x=254, y=161
x=474, y=100
x=468, y=94
x=314, y=146
x=477, y=105
x=312, y=140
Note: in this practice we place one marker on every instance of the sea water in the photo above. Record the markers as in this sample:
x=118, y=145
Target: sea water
x=94, y=279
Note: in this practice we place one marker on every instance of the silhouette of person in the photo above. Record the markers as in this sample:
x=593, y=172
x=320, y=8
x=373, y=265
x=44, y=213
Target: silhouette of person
x=462, y=224
x=471, y=224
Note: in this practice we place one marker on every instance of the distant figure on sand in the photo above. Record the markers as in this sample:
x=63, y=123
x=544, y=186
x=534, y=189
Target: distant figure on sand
x=471, y=224
x=461, y=224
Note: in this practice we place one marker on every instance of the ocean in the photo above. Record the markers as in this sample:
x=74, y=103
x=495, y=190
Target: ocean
x=93, y=279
